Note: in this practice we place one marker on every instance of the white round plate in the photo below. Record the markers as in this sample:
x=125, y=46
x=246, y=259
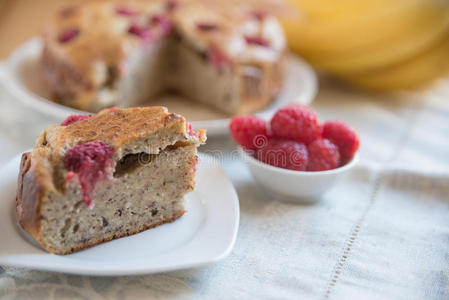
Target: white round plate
x=21, y=77
x=204, y=235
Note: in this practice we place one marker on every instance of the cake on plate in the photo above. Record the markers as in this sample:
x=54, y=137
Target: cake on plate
x=92, y=179
x=226, y=55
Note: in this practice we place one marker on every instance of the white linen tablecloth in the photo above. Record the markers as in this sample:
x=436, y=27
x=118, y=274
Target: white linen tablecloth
x=382, y=233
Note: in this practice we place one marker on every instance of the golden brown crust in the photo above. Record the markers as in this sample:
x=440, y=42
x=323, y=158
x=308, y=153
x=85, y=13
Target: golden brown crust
x=29, y=197
x=92, y=243
x=116, y=126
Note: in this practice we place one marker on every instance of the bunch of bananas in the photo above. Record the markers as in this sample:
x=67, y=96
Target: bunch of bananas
x=377, y=44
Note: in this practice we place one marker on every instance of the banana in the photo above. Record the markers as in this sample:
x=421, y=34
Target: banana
x=329, y=27
x=382, y=44
x=417, y=71
x=387, y=52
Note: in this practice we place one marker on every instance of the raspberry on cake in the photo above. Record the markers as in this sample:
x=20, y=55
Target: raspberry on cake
x=90, y=162
x=117, y=173
x=74, y=118
x=224, y=55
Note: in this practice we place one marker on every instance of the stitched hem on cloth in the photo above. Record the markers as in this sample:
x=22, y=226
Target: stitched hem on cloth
x=377, y=182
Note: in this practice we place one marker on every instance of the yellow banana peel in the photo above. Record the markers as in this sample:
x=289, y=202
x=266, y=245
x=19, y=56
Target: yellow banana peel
x=386, y=53
x=415, y=72
x=353, y=38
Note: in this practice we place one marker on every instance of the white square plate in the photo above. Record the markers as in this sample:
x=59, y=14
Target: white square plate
x=204, y=235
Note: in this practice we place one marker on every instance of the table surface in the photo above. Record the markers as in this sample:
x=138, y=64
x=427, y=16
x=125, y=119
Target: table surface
x=382, y=233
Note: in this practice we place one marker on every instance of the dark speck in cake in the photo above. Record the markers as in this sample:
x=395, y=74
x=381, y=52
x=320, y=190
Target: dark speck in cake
x=206, y=26
x=227, y=98
x=68, y=11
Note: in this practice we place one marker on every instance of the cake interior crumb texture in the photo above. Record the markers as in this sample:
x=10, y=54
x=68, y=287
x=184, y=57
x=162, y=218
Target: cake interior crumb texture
x=145, y=191
x=172, y=66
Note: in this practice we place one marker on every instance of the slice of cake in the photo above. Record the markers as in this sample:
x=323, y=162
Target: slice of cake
x=93, y=179
x=226, y=55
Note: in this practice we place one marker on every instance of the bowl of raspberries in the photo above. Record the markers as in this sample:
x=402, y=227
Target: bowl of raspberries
x=294, y=154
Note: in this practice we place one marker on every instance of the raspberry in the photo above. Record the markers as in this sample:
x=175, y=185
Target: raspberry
x=218, y=59
x=296, y=122
x=257, y=40
x=171, y=5
x=191, y=131
x=284, y=154
x=68, y=35
x=74, y=118
x=162, y=23
x=342, y=135
x=126, y=11
x=249, y=132
x=259, y=15
x=142, y=32
x=92, y=162
x=323, y=155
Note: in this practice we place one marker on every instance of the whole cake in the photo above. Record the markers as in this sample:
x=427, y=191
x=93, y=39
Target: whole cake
x=117, y=173
x=226, y=55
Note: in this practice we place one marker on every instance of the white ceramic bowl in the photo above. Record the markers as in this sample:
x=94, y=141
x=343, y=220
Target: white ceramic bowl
x=293, y=185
